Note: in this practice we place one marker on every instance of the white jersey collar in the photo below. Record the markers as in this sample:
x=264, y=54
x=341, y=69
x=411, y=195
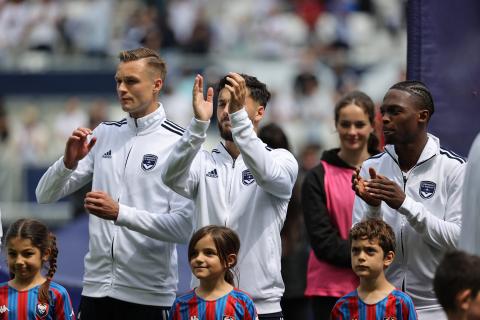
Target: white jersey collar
x=151, y=120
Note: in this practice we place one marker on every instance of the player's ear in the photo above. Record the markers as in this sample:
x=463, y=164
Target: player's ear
x=463, y=299
x=231, y=260
x=46, y=255
x=423, y=115
x=260, y=113
x=388, y=258
x=157, y=85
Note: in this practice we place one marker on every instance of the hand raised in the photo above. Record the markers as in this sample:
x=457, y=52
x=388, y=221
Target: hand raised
x=202, y=109
x=359, y=186
x=238, y=91
x=101, y=205
x=77, y=147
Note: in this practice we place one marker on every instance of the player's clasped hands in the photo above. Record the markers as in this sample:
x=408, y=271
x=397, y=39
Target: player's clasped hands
x=377, y=189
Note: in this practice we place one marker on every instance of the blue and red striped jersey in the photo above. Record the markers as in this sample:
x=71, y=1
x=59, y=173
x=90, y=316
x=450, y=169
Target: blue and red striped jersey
x=24, y=305
x=235, y=305
x=396, y=306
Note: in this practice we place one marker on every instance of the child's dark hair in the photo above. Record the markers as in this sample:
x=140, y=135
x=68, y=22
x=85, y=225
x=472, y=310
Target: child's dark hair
x=258, y=90
x=42, y=239
x=456, y=272
x=226, y=242
x=363, y=101
x=375, y=229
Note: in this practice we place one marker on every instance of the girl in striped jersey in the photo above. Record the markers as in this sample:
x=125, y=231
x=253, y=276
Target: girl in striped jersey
x=212, y=253
x=29, y=294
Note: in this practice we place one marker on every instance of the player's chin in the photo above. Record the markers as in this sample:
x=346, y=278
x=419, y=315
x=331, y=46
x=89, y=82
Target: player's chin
x=200, y=276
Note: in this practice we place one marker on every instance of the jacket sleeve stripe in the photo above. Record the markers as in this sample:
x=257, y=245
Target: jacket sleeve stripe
x=452, y=156
x=180, y=133
x=174, y=125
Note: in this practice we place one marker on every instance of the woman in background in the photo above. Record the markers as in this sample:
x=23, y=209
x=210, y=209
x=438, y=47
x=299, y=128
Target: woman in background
x=327, y=199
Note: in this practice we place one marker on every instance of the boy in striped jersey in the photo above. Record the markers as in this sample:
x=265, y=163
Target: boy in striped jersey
x=372, y=251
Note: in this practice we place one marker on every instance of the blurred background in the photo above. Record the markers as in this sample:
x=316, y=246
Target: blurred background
x=58, y=59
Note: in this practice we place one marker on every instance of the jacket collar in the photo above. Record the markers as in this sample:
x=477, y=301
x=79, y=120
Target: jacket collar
x=222, y=152
x=431, y=149
x=148, y=123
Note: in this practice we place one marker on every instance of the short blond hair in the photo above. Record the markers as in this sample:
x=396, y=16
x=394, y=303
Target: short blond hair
x=153, y=59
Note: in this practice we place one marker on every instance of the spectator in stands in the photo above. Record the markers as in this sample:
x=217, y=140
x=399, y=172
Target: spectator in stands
x=14, y=21
x=10, y=170
x=43, y=28
x=314, y=105
x=67, y=120
x=33, y=138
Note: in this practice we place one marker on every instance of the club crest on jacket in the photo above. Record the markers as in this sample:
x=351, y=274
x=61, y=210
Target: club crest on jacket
x=427, y=189
x=149, y=161
x=247, y=177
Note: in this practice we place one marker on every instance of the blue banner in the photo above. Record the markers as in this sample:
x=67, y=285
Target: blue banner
x=444, y=53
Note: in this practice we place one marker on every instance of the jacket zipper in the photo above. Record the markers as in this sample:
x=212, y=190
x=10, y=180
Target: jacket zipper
x=115, y=232
x=229, y=191
x=401, y=230
x=405, y=179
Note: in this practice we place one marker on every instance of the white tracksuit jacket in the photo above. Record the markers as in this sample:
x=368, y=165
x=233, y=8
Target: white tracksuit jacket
x=249, y=194
x=428, y=222
x=126, y=162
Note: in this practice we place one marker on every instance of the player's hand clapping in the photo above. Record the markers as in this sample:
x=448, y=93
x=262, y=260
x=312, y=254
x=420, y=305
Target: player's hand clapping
x=238, y=92
x=359, y=186
x=202, y=109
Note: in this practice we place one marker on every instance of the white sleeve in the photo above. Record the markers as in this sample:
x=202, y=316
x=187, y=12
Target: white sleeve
x=180, y=172
x=470, y=235
x=59, y=181
x=440, y=233
x=176, y=225
x=274, y=171
x=1, y=227
x=361, y=209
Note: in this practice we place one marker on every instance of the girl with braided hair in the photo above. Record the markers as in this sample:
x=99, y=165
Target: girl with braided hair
x=29, y=294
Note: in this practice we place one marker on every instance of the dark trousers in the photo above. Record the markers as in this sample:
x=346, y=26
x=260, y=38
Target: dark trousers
x=271, y=316
x=297, y=308
x=114, y=309
x=322, y=306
